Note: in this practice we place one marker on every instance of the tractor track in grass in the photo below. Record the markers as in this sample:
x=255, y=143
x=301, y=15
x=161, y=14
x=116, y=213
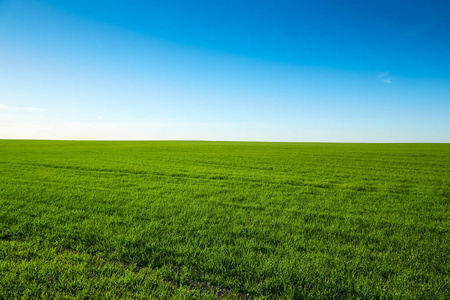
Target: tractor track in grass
x=219, y=292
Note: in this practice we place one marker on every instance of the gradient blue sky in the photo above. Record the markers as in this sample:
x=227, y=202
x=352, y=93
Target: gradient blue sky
x=327, y=71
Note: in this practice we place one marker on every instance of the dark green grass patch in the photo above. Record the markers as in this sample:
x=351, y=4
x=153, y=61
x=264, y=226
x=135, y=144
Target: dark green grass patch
x=276, y=220
x=39, y=271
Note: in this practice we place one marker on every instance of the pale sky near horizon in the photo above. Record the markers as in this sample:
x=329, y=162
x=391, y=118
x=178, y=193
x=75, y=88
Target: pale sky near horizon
x=298, y=71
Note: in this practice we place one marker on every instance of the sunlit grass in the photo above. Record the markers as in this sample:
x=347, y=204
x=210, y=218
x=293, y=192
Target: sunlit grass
x=270, y=219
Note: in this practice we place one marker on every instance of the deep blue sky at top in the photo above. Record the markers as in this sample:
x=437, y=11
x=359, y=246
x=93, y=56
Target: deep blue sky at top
x=408, y=38
x=384, y=62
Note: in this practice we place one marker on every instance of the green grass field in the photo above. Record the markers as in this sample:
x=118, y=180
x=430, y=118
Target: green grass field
x=180, y=220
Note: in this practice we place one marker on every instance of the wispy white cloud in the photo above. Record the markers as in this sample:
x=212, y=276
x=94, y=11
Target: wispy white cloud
x=383, y=74
x=385, y=77
x=21, y=108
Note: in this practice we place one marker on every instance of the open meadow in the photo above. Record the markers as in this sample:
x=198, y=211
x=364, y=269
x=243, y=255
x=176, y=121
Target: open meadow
x=181, y=220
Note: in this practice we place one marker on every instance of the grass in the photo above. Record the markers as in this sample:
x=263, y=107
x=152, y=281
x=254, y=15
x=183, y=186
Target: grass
x=41, y=271
x=276, y=220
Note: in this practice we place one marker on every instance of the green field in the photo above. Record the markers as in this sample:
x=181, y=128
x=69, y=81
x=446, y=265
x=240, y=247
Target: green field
x=175, y=220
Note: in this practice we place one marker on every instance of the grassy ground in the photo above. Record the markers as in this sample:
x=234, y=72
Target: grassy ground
x=276, y=220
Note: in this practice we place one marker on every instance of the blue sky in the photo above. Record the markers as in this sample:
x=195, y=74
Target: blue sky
x=300, y=71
